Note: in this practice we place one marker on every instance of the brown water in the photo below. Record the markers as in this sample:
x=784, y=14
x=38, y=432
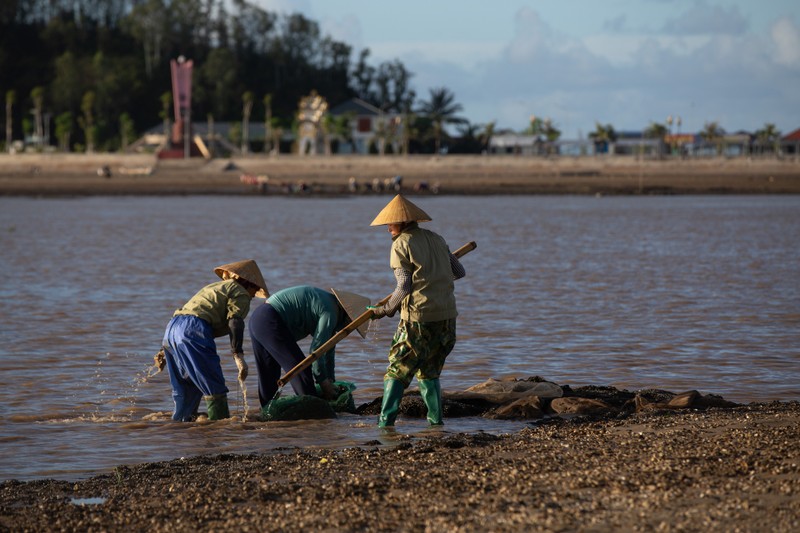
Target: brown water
x=676, y=293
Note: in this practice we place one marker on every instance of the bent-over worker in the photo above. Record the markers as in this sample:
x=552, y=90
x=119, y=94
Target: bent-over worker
x=191, y=353
x=293, y=314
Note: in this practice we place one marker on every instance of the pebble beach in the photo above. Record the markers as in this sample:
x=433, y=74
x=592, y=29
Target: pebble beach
x=689, y=470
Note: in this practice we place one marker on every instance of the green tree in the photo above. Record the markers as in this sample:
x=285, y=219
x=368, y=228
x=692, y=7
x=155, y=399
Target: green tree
x=86, y=120
x=247, y=109
x=11, y=99
x=487, y=134
x=441, y=109
x=535, y=128
x=165, y=113
x=127, y=130
x=362, y=76
x=147, y=23
x=768, y=137
x=267, y=122
x=658, y=131
x=604, y=138
x=276, y=132
x=64, y=130
x=655, y=131
x=37, y=95
x=235, y=133
x=218, y=83
x=70, y=81
x=409, y=130
x=713, y=134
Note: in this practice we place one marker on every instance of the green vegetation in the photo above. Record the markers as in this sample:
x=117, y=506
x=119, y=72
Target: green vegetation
x=100, y=70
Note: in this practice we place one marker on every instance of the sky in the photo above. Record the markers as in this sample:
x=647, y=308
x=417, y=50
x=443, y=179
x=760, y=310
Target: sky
x=627, y=63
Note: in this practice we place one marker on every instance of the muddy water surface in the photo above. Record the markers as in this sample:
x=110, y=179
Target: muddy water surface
x=676, y=293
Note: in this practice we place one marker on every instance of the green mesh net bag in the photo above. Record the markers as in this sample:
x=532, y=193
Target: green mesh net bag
x=343, y=403
x=310, y=407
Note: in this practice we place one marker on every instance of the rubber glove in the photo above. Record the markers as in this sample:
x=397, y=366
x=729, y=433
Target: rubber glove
x=241, y=365
x=329, y=390
x=160, y=360
x=377, y=312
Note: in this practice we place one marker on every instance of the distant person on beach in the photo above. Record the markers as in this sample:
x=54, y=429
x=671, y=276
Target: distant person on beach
x=425, y=271
x=191, y=354
x=293, y=314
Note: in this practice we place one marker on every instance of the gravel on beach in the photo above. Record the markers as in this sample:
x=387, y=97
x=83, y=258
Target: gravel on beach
x=734, y=469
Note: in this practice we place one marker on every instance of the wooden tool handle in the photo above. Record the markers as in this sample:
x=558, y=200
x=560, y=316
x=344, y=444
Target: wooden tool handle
x=352, y=326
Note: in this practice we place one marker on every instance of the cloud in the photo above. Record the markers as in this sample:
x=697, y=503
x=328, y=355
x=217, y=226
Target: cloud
x=616, y=24
x=786, y=38
x=739, y=80
x=705, y=19
x=346, y=29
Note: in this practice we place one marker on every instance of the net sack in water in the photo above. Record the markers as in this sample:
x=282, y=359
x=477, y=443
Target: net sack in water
x=310, y=407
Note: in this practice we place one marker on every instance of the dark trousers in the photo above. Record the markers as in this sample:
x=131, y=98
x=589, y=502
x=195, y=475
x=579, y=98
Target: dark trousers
x=274, y=349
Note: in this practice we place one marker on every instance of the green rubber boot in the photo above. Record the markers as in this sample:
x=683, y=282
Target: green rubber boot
x=217, y=405
x=431, y=392
x=392, y=395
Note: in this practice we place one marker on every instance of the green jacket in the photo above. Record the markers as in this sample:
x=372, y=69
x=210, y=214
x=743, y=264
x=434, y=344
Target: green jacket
x=425, y=254
x=217, y=303
x=311, y=311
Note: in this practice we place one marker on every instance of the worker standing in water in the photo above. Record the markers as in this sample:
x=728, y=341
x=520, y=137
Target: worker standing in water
x=425, y=271
x=190, y=350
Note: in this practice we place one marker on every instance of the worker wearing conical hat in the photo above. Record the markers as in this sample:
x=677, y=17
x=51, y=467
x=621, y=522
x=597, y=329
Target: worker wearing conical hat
x=293, y=314
x=190, y=350
x=424, y=270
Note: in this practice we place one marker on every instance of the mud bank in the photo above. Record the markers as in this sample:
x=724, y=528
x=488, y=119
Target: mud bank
x=74, y=174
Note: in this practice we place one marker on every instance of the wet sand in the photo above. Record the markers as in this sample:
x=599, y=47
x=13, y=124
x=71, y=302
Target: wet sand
x=76, y=174
x=689, y=470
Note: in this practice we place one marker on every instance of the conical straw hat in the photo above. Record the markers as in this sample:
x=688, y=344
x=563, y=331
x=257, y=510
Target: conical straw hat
x=247, y=270
x=354, y=305
x=400, y=210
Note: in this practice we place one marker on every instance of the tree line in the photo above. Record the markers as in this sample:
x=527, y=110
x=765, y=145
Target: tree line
x=94, y=74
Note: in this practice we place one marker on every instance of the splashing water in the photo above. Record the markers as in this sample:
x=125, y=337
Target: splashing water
x=243, y=399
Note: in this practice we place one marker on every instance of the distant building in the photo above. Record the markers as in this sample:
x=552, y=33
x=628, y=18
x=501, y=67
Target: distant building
x=790, y=144
x=368, y=125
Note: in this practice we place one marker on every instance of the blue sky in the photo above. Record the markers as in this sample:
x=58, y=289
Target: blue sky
x=578, y=62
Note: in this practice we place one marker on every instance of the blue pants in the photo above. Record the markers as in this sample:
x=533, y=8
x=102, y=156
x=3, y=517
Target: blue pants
x=274, y=349
x=193, y=364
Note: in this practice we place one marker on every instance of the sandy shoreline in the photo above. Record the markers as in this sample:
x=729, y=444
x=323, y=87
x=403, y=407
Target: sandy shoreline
x=712, y=470
x=76, y=174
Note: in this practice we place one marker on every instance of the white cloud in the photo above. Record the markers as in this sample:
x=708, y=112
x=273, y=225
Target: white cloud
x=704, y=19
x=786, y=37
x=346, y=29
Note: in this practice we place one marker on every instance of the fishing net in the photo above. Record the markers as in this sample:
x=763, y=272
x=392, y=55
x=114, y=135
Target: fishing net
x=311, y=407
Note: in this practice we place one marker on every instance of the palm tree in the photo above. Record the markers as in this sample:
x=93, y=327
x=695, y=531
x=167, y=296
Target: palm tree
x=768, y=136
x=86, y=121
x=247, y=108
x=657, y=131
x=37, y=95
x=166, y=103
x=713, y=133
x=488, y=133
x=267, y=122
x=441, y=109
x=64, y=130
x=126, y=129
x=339, y=127
x=604, y=137
x=11, y=98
